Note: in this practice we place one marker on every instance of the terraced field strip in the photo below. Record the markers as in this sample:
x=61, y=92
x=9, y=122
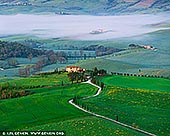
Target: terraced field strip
x=100, y=116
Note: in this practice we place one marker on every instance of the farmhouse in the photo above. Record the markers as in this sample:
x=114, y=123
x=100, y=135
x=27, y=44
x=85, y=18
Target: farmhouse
x=149, y=47
x=74, y=69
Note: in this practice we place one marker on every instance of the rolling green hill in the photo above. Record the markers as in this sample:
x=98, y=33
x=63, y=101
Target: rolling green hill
x=149, y=61
x=89, y=126
x=48, y=110
x=109, y=65
x=157, y=84
x=47, y=106
x=137, y=101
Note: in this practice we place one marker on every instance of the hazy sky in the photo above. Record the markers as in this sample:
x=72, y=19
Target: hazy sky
x=79, y=26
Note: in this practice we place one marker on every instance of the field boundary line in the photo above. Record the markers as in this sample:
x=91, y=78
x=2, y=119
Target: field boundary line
x=104, y=117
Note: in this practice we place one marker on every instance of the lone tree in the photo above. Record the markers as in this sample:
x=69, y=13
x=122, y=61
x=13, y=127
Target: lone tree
x=30, y=56
x=95, y=71
x=71, y=77
x=102, y=85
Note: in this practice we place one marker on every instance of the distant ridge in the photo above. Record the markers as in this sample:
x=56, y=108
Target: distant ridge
x=86, y=6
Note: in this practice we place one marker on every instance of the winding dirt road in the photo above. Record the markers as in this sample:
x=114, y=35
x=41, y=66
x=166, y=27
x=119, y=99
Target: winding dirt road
x=104, y=117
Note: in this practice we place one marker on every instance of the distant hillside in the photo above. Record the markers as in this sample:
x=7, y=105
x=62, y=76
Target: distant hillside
x=85, y=6
x=14, y=49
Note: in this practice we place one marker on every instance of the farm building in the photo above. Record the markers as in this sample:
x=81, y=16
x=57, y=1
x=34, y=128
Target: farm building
x=74, y=69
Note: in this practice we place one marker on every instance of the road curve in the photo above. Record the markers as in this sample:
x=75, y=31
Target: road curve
x=104, y=117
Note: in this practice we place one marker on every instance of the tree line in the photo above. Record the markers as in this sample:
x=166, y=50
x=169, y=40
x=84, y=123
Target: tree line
x=44, y=60
x=77, y=76
x=7, y=91
x=15, y=49
x=101, y=50
x=138, y=75
x=11, y=50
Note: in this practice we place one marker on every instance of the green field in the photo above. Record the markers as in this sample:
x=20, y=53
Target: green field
x=157, y=84
x=137, y=101
x=109, y=65
x=38, y=81
x=88, y=126
x=117, y=65
x=151, y=62
x=47, y=105
x=48, y=109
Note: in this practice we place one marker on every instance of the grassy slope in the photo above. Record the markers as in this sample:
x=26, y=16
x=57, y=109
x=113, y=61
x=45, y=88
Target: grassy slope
x=162, y=72
x=48, y=105
x=147, y=60
x=88, y=126
x=157, y=84
x=109, y=65
x=48, y=109
x=159, y=39
x=47, y=80
x=141, y=102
